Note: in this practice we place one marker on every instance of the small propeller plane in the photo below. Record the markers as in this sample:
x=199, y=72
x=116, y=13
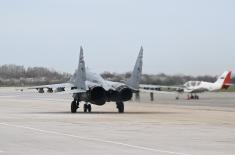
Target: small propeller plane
x=194, y=87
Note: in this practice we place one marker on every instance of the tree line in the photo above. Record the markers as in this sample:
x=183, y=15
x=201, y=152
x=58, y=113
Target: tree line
x=161, y=78
x=15, y=75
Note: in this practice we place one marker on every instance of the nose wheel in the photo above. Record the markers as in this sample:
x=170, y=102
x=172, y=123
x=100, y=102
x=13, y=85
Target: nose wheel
x=193, y=97
x=87, y=107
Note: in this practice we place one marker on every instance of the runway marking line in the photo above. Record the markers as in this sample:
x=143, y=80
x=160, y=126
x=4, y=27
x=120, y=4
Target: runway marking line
x=41, y=99
x=9, y=96
x=95, y=139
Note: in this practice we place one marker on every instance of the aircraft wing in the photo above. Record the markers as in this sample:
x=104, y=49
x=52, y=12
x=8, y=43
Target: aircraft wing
x=158, y=92
x=54, y=87
x=161, y=88
x=73, y=91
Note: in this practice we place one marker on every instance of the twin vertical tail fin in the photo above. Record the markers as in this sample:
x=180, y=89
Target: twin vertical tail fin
x=79, y=79
x=134, y=80
x=80, y=75
x=224, y=80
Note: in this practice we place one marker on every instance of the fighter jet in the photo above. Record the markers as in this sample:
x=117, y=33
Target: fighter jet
x=93, y=89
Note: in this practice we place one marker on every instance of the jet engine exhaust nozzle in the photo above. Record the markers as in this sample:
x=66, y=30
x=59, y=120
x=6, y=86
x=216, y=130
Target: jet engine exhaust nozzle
x=98, y=95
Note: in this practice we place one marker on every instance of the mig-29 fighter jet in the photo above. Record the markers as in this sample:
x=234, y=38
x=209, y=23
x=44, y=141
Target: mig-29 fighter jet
x=92, y=88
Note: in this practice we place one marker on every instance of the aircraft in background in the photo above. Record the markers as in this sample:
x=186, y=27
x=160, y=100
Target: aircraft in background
x=92, y=88
x=194, y=87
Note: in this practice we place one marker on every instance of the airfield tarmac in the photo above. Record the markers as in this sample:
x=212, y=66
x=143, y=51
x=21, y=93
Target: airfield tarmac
x=32, y=123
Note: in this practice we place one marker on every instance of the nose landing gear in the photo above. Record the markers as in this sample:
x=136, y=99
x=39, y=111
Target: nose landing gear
x=193, y=97
x=75, y=106
x=87, y=107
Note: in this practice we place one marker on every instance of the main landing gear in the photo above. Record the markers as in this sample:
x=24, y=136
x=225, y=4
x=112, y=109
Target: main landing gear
x=87, y=107
x=75, y=106
x=120, y=107
x=193, y=97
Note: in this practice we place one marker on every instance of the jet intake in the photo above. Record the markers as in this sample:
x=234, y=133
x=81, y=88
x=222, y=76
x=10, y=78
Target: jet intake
x=97, y=95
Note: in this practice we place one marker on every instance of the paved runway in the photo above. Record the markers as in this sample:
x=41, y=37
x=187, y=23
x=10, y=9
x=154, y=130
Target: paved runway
x=32, y=123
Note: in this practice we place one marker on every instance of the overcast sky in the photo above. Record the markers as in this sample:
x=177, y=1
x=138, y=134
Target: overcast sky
x=192, y=37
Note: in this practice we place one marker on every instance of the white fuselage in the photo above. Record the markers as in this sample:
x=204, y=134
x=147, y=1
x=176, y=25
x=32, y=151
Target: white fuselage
x=200, y=86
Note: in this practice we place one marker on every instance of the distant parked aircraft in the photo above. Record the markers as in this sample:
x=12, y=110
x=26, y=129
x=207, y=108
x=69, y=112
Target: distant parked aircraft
x=194, y=87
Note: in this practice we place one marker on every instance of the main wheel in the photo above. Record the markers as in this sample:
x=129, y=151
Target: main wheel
x=120, y=107
x=85, y=107
x=89, y=108
x=74, y=107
